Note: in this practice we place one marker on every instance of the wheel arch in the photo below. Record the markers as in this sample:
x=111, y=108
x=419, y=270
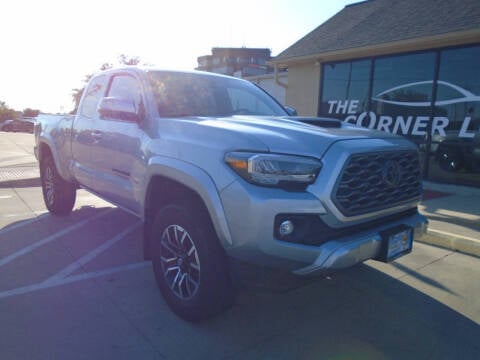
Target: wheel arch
x=169, y=180
x=45, y=148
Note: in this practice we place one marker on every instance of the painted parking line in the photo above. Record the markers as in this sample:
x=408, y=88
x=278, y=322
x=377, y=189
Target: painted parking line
x=63, y=278
x=446, y=233
x=50, y=238
x=23, y=223
x=72, y=279
x=12, y=215
x=91, y=255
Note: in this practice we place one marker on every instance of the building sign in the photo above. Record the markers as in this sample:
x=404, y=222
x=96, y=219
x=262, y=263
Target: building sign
x=415, y=125
x=402, y=125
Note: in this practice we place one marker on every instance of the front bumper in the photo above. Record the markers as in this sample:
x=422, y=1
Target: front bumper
x=345, y=252
x=251, y=213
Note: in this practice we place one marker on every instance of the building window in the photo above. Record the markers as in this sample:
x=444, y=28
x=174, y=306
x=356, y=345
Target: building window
x=345, y=88
x=402, y=93
x=432, y=97
x=455, y=151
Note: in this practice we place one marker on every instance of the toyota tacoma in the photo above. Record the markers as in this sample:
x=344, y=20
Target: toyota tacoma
x=217, y=169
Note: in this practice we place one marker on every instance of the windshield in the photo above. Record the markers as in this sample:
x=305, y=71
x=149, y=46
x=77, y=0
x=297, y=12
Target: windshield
x=190, y=94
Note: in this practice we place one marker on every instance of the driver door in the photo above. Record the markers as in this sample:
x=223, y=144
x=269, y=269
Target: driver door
x=116, y=153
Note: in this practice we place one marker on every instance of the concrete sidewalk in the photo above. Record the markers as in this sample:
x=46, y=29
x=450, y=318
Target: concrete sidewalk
x=453, y=213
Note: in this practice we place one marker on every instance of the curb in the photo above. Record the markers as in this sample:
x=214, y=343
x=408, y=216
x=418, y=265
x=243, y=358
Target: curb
x=463, y=244
x=19, y=176
x=32, y=182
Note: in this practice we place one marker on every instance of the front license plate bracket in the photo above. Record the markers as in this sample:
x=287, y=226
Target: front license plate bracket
x=396, y=242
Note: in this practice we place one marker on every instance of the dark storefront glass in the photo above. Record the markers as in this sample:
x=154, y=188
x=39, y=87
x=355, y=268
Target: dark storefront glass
x=402, y=94
x=406, y=95
x=456, y=145
x=345, y=88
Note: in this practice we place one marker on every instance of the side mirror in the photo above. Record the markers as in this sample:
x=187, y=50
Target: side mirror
x=117, y=108
x=291, y=111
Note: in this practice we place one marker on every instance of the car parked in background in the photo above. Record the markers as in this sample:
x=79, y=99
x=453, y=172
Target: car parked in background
x=455, y=154
x=18, y=125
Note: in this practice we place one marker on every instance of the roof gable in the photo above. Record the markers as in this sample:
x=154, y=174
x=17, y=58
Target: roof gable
x=382, y=21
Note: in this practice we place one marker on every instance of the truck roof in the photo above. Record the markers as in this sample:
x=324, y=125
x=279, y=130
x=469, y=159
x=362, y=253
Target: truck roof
x=146, y=69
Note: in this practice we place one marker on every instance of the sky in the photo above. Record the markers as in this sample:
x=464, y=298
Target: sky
x=49, y=46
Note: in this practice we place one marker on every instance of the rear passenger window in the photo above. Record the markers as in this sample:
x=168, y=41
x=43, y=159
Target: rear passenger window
x=94, y=92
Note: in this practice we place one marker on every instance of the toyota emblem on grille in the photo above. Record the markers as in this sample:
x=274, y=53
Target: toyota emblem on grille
x=391, y=173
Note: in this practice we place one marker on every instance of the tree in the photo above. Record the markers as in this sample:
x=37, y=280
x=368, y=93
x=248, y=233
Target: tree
x=125, y=60
x=6, y=112
x=122, y=60
x=76, y=95
x=30, y=112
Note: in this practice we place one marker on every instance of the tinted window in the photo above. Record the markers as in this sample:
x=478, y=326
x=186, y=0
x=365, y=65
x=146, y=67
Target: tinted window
x=94, y=92
x=439, y=111
x=180, y=94
x=402, y=93
x=345, y=88
x=458, y=91
x=244, y=101
x=406, y=78
x=456, y=144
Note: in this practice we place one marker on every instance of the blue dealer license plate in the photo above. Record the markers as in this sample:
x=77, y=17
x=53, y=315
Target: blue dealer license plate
x=396, y=242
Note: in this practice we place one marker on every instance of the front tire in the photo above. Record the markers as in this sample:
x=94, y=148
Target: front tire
x=190, y=266
x=59, y=194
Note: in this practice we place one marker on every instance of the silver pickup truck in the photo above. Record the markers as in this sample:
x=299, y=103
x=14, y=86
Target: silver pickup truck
x=216, y=168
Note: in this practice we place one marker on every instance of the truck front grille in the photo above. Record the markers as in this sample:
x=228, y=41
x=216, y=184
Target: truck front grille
x=374, y=181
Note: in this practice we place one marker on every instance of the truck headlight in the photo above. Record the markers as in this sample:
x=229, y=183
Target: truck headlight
x=274, y=169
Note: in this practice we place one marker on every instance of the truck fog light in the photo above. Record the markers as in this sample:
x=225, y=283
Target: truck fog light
x=286, y=228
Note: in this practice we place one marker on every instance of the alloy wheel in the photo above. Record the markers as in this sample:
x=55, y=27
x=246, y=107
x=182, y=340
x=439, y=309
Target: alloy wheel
x=49, y=185
x=180, y=262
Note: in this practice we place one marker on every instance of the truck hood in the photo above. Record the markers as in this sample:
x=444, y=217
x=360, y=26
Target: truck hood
x=284, y=135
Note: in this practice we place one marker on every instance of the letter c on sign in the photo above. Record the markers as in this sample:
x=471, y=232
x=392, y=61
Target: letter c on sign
x=371, y=115
x=350, y=119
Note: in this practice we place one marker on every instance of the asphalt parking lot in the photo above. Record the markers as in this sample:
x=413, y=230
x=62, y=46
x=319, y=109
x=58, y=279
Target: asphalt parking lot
x=77, y=287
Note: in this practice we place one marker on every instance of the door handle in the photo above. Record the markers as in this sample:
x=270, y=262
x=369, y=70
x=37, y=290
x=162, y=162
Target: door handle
x=96, y=135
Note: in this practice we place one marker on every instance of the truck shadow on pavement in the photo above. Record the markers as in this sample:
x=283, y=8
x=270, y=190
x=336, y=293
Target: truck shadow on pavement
x=46, y=221
x=359, y=313
x=424, y=279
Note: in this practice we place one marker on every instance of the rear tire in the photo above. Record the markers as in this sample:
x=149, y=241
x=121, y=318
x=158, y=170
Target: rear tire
x=190, y=266
x=59, y=194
